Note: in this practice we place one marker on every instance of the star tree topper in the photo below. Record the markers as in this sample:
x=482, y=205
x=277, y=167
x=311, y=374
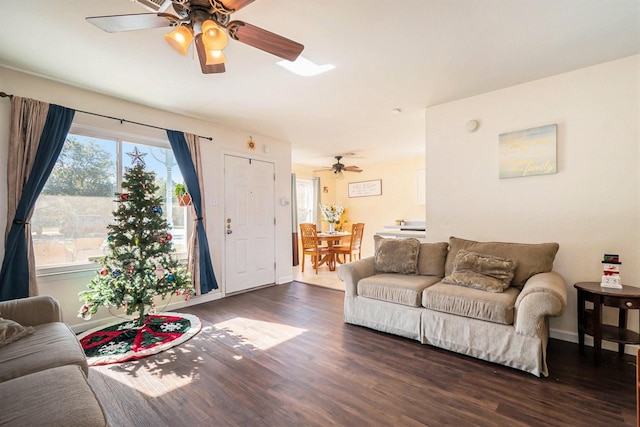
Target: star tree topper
x=137, y=157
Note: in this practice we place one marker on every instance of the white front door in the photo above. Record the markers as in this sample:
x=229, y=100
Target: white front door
x=249, y=223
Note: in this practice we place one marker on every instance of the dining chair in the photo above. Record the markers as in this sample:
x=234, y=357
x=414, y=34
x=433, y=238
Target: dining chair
x=311, y=246
x=357, y=230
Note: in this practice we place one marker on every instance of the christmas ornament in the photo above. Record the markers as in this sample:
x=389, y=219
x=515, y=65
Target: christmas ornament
x=169, y=237
x=124, y=196
x=104, y=272
x=157, y=209
x=159, y=271
x=116, y=272
x=170, y=277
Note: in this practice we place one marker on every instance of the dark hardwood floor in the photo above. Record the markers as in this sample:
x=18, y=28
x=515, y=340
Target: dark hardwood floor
x=282, y=356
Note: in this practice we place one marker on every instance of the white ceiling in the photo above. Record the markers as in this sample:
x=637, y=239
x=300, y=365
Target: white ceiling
x=406, y=54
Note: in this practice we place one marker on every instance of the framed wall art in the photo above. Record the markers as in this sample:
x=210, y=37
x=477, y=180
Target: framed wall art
x=528, y=152
x=365, y=188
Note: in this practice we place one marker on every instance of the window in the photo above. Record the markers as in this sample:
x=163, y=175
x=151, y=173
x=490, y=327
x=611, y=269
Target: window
x=69, y=222
x=305, y=196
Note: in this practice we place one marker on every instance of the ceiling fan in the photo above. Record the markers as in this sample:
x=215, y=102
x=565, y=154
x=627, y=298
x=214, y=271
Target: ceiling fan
x=206, y=23
x=338, y=168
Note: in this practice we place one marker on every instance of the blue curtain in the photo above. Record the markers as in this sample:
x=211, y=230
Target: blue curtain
x=188, y=170
x=14, y=276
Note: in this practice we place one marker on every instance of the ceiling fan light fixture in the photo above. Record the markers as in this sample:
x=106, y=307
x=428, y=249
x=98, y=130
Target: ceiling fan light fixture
x=213, y=37
x=215, y=57
x=180, y=39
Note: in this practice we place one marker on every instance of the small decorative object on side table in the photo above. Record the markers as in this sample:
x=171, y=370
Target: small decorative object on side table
x=590, y=320
x=611, y=271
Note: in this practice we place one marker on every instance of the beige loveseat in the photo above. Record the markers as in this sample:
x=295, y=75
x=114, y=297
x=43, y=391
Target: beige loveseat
x=444, y=300
x=43, y=368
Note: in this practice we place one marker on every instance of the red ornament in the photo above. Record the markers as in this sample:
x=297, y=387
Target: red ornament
x=124, y=196
x=104, y=272
x=169, y=237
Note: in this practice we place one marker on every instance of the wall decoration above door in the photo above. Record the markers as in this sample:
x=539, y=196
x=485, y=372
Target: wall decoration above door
x=528, y=152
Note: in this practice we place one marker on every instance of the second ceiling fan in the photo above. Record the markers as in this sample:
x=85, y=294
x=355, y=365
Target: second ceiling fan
x=338, y=168
x=207, y=24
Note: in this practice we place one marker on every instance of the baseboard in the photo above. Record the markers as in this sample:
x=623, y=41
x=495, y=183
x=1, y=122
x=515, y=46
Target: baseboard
x=285, y=279
x=588, y=341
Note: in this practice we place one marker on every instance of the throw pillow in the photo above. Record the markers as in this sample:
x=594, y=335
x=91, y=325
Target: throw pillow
x=396, y=255
x=532, y=258
x=431, y=258
x=11, y=331
x=485, y=272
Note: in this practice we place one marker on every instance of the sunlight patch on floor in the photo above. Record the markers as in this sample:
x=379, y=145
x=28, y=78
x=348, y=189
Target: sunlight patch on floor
x=260, y=334
x=150, y=378
x=325, y=277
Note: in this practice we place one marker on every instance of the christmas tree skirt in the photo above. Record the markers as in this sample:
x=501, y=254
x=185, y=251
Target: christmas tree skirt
x=122, y=341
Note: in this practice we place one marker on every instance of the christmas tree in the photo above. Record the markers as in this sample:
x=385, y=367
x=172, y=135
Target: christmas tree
x=139, y=265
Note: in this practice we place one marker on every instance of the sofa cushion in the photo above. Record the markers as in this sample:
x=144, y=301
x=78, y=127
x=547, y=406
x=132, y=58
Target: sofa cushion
x=397, y=288
x=474, y=303
x=11, y=331
x=532, y=258
x=54, y=397
x=485, y=272
x=396, y=255
x=431, y=258
x=51, y=345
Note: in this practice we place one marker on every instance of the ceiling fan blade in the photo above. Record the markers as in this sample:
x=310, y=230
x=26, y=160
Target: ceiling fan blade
x=236, y=5
x=264, y=40
x=352, y=169
x=202, y=56
x=139, y=21
x=323, y=170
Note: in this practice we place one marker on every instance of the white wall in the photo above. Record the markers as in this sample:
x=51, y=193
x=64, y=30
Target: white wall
x=66, y=287
x=590, y=207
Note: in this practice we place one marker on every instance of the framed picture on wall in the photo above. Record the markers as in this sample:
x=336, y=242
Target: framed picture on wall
x=528, y=152
x=365, y=188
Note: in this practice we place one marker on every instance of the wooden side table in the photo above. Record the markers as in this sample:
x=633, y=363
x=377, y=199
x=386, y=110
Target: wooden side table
x=590, y=320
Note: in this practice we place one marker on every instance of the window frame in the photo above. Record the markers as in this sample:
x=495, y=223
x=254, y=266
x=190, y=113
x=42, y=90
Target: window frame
x=119, y=138
x=312, y=209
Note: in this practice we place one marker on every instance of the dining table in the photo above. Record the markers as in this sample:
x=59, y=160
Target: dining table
x=332, y=238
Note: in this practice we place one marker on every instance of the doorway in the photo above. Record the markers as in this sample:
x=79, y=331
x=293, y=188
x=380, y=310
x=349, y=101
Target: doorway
x=249, y=223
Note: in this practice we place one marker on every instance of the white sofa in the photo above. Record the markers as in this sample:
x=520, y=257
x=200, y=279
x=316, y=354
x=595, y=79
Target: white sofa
x=509, y=327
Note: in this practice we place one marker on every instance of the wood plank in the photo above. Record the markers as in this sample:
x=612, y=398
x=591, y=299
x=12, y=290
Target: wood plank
x=283, y=356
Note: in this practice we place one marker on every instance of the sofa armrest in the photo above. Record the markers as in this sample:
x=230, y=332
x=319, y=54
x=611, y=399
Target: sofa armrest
x=544, y=294
x=352, y=272
x=31, y=311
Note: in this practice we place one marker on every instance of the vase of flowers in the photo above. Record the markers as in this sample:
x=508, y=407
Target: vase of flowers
x=331, y=213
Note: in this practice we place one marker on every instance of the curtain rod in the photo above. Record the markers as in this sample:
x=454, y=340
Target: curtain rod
x=6, y=95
